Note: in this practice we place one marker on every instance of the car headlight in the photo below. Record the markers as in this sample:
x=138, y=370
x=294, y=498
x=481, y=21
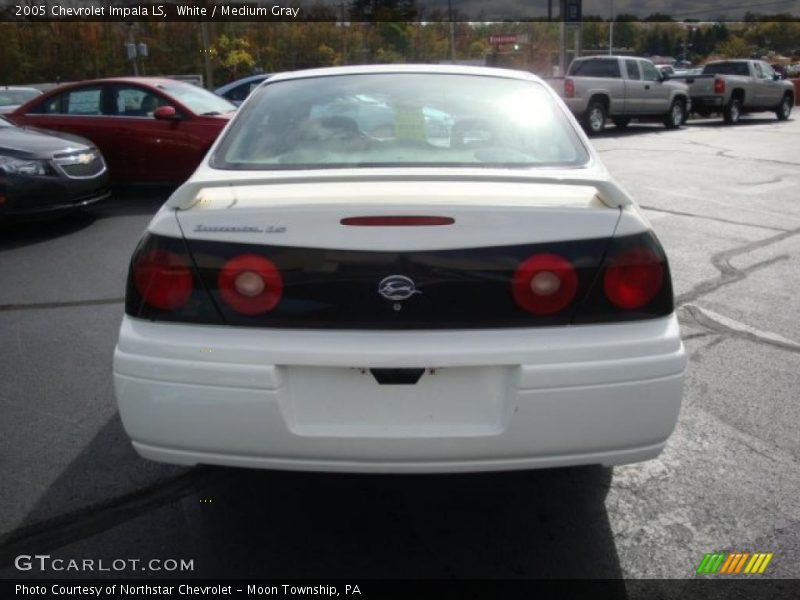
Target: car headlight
x=20, y=166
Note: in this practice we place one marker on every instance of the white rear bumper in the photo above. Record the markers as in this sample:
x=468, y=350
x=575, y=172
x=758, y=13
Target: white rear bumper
x=488, y=400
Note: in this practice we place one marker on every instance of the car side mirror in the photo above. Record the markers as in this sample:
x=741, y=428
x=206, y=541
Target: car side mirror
x=776, y=76
x=166, y=113
x=665, y=76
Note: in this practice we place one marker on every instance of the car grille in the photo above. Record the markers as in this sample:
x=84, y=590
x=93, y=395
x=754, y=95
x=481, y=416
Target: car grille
x=81, y=165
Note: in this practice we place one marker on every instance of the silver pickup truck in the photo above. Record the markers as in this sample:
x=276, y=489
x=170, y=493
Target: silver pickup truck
x=733, y=87
x=623, y=88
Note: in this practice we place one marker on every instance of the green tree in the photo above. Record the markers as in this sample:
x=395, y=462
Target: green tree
x=734, y=47
x=232, y=54
x=383, y=10
x=594, y=34
x=326, y=55
x=395, y=36
x=658, y=17
x=778, y=36
x=387, y=55
x=625, y=34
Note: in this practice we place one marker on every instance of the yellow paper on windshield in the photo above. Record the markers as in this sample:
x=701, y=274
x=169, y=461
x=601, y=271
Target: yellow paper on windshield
x=409, y=123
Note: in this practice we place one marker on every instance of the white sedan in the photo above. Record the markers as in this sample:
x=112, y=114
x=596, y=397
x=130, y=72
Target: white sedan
x=457, y=285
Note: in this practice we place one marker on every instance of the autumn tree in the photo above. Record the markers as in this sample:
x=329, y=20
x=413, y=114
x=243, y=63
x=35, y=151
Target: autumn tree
x=232, y=54
x=734, y=47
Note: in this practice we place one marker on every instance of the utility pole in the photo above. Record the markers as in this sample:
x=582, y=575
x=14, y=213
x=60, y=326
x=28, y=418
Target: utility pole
x=686, y=44
x=562, y=51
x=611, y=31
x=571, y=17
x=209, y=83
x=142, y=52
x=131, y=48
x=452, y=32
x=344, y=25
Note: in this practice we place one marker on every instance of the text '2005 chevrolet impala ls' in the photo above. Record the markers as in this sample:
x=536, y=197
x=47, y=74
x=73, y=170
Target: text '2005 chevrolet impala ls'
x=400, y=269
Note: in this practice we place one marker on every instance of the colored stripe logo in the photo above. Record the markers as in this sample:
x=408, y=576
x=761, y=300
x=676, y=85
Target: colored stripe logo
x=734, y=563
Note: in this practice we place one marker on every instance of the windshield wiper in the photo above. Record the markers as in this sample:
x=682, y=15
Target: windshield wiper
x=210, y=113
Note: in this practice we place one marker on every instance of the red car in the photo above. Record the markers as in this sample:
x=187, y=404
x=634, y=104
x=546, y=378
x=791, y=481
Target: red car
x=148, y=129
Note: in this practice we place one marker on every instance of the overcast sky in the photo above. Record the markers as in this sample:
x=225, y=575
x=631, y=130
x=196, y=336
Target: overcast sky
x=680, y=9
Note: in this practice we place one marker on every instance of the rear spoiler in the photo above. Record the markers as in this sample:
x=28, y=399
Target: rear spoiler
x=189, y=195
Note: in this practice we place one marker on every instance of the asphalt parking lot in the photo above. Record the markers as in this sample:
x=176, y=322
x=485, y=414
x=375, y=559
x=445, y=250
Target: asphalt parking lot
x=725, y=202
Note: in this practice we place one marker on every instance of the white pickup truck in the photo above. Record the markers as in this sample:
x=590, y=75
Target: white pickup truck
x=733, y=87
x=622, y=88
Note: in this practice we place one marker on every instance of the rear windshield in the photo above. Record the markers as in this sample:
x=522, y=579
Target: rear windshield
x=726, y=68
x=595, y=67
x=400, y=119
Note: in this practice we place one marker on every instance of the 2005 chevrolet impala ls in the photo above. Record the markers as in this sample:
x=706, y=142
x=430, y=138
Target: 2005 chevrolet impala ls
x=400, y=269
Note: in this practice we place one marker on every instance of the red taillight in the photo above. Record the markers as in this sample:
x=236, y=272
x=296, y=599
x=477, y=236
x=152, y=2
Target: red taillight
x=569, y=88
x=544, y=284
x=633, y=278
x=250, y=284
x=393, y=221
x=163, y=279
x=719, y=86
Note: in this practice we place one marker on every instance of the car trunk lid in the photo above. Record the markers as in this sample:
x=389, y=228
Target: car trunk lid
x=478, y=214
x=456, y=273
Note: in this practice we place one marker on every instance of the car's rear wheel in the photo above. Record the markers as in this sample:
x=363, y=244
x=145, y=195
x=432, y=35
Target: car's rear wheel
x=676, y=115
x=732, y=112
x=785, y=108
x=595, y=119
x=621, y=122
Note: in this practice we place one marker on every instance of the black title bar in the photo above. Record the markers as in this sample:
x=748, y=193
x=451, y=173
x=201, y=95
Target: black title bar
x=346, y=11
x=440, y=589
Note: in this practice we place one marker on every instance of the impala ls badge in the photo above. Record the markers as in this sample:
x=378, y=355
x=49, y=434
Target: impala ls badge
x=397, y=287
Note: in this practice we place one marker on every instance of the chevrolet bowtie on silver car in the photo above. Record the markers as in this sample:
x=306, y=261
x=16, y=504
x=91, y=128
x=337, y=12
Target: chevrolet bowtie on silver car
x=47, y=173
x=400, y=269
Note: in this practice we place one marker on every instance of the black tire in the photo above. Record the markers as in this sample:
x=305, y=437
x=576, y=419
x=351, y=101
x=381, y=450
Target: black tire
x=621, y=122
x=595, y=118
x=732, y=111
x=676, y=115
x=784, y=108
